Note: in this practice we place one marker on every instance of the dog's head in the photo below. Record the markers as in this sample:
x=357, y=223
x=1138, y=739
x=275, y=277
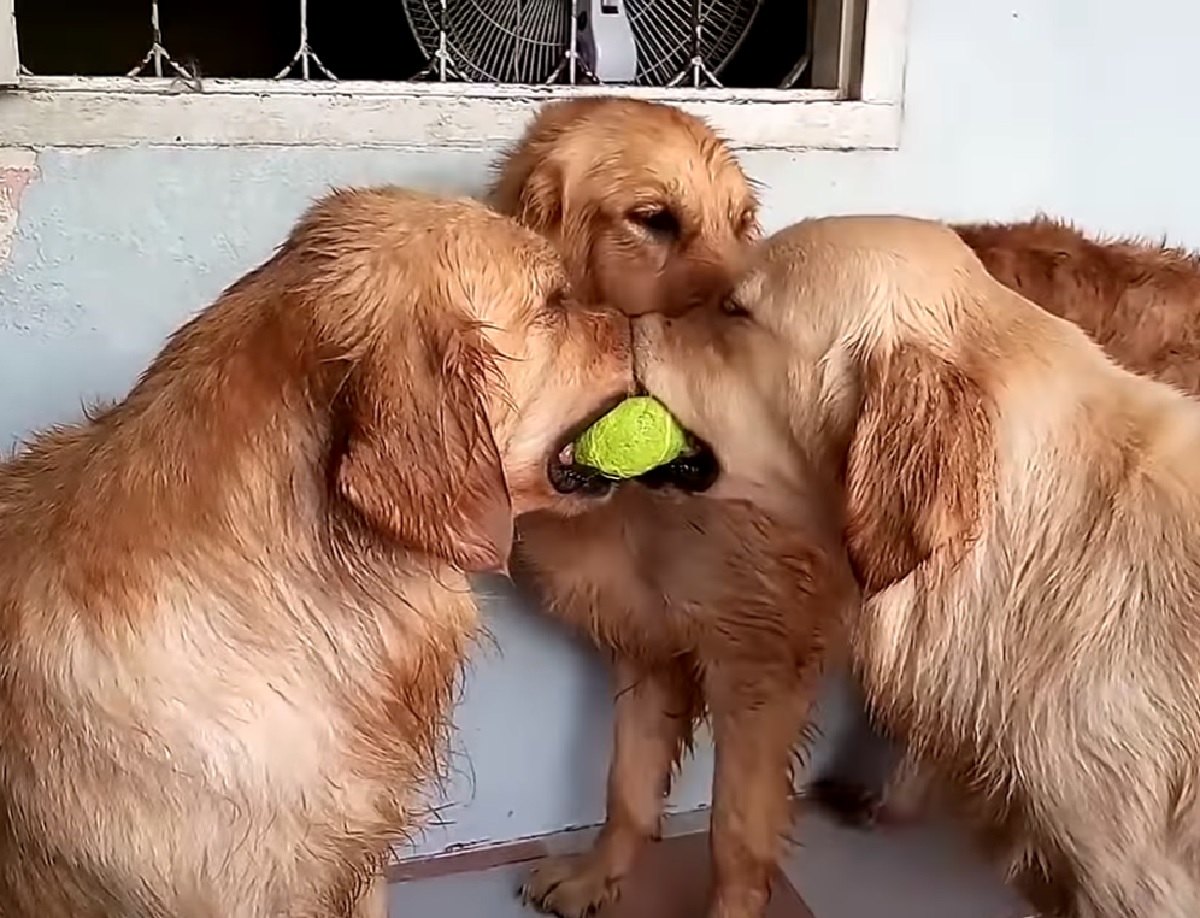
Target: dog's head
x=650, y=209
x=459, y=365
x=855, y=353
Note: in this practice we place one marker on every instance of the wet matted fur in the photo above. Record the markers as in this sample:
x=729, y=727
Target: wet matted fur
x=702, y=607
x=234, y=605
x=1022, y=515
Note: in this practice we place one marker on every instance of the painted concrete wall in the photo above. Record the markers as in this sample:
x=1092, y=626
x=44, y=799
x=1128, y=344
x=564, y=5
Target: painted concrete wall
x=1083, y=107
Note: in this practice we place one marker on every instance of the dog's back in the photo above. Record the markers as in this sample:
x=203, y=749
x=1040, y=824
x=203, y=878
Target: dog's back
x=1139, y=300
x=218, y=690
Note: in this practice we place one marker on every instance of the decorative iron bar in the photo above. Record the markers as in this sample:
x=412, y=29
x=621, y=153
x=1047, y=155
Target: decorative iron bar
x=802, y=65
x=157, y=56
x=572, y=62
x=305, y=57
x=441, y=65
x=697, y=71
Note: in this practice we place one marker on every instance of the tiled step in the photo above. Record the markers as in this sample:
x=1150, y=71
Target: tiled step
x=670, y=881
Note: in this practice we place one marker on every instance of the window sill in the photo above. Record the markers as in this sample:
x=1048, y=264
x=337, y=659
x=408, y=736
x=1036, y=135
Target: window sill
x=119, y=112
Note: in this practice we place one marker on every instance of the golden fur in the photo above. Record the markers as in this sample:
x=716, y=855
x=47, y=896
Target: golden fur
x=1140, y=300
x=234, y=605
x=650, y=209
x=1022, y=515
x=702, y=607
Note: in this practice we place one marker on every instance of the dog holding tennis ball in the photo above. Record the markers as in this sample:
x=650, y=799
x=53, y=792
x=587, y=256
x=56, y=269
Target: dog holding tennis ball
x=637, y=436
x=640, y=440
x=704, y=609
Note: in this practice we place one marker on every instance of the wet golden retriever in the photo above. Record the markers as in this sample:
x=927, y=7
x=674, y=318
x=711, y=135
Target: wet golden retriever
x=1140, y=300
x=702, y=607
x=1022, y=516
x=648, y=206
x=233, y=606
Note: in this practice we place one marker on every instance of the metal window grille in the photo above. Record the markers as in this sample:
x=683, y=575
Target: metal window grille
x=832, y=54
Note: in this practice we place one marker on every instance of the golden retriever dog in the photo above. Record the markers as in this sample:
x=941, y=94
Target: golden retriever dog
x=1021, y=514
x=649, y=207
x=1140, y=300
x=701, y=607
x=234, y=605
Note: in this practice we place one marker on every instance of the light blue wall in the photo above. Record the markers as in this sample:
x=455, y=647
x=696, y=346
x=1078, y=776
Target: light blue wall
x=1084, y=107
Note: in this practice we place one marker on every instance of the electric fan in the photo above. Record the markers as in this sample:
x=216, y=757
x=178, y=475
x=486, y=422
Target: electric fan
x=646, y=42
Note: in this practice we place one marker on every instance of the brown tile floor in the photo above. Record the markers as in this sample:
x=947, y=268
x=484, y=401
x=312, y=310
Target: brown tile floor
x=670, y=881
x=918, y=872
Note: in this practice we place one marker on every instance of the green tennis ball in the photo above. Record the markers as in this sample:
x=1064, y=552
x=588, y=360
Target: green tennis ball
x=635, y=437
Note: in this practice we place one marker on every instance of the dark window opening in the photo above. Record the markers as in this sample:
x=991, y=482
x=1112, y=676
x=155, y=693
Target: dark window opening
x=750, y=43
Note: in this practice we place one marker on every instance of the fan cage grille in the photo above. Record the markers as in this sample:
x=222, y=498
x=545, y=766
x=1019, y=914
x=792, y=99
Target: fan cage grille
x=526, y=41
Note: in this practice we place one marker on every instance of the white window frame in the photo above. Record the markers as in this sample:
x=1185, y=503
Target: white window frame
x=121, y=112
x=9, y=61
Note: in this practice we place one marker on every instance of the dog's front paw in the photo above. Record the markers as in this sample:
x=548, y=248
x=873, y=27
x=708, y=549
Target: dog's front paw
x=570, y=887
x=742, y=904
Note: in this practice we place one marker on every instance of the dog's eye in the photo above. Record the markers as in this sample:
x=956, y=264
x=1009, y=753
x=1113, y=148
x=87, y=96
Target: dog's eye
x=660, y=222
x=734, y=309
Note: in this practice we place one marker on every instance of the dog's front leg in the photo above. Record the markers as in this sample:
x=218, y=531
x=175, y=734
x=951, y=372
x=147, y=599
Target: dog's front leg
x=758, y=718
x=653, y=724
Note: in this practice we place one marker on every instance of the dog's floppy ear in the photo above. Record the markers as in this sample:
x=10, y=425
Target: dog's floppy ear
x=539, y=204
x=919, y=465
x=544, y=204
x=420, y=462
x=529, y=188
x=535, y=189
